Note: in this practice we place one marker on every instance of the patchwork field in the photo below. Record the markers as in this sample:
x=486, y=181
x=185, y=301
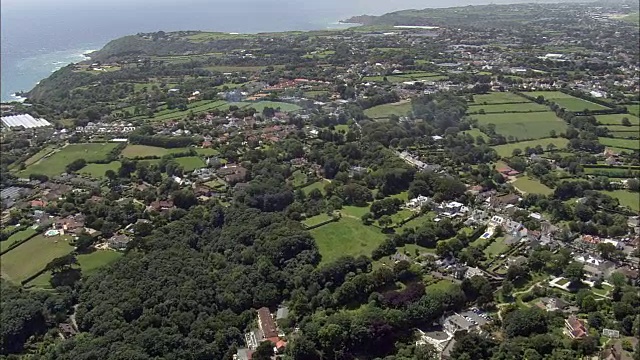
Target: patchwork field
x=505, y=108
x=498, y=98
x=97, y=170
x=347, y=237
x=528, y=185
x=141, y=151
x=506, y=150
x=56, y=163
x=190, y=163
x=32, y=256
x=629, y=144
x=567, y=101
x=524, y=126
x=384, y=111
x=633, y=109
x=616, y=119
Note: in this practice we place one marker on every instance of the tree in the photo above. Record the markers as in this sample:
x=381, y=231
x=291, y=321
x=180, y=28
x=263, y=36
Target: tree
x=507, y=288
x=385, y=221
x=516, y=152
x=76, y=165
x=574, y=272
x=588, y=304
x=264, y=351
x=524, y=322
x=625, y=121
x=367, y=218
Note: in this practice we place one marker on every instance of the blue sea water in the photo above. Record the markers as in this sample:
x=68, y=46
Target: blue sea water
x=40, y=36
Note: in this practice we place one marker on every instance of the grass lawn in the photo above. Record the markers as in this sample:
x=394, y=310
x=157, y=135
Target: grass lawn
x=475, y=133
x=496, y=248
x=439, y=285
x=498, y=98
x=503, y=108
x=633, y=109
x=207, y=152
x=39, y=155
x=89, y=263
x=17, y=237
x=626, y=198
x=562, y=282
x=528, y=185
x=346, y=237
x=299, y=178
x=506, y=150
x=342, y=128
x=631, y=144
x=355, y=211
x=398, y=217
x=385, y=110
x=567, y=101
x=616, y=119
x=97, y=170
x=410, y=249
x=404, y=196
x=32, y=256
x=283, y=106
x=190, y=163
x=523, y=126
x=417, y=222
x=315, y=220
x=316, y=185
x=56, y=163
x=140, y=151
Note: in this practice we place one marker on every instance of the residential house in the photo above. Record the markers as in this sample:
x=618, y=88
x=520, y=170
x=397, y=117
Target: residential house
x=267, y=325
x=552, y=304
x=118, y=242
x=504, y=200
x=233, y=173
x=161, y=205
x=575, y=328
x=70, y=224
x=417, y=203
x=38, y=203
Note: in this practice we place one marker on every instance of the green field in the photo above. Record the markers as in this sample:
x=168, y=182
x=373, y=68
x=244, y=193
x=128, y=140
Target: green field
x=316, y=185
x=347, y=237
x=524, y=126
x=475, y=133
x=39, y=155
x=190, y=163
x=626, y=134
x=141, y=151
x=633, y=109
x=207, y=152
x=56, y=163
x=616, y=119
x=32, y=256
x=531, y=186
x=498, y=98
x=620, y=143
x=318, y=219
x=497, y=247
x=17, y=237
x=354, y=211
x=504, y=108
x=97, y=170
x=283, y=106
x=626, y=198
x=567, y=101
x=386, y=110
x=418, y=221
x=506, y=150
x=89, y=263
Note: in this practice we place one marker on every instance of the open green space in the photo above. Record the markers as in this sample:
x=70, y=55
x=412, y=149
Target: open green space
x=504, y=108
x=631, y=144
x=97, y=170
x=141, y=151
x=506, y=150
x=318, y=219
x=316, y=185
x=207, y=152
x=39, y=155
x=417, y=222
x=498, y=98
x=90, y=262
x=633, y=109
x=32, y=256
x=385, y=110
x=283, y=106
x=347, y=237
x=190, y=163
x=17, y=237
x=567, y=101
x=299, y=178
x=439, y=285
x=529, y=185
x=616, y=119
x=497, y=247
x=354, y=211
x=232, y=69
x=475, y=133
x=524, y=126
x=626, y=198
x=55, y=164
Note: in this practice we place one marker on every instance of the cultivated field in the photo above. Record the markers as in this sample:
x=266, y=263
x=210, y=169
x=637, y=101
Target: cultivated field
x=528, y=185
x=97, y=170
x=506, y=150
x=616, y=119
x=32, y=256
x=566, y=101
x=498, y=98
x=524, y=126
x=141, y=151
x=56, y=163
x=190, y=163
x=631, y=144
x=505, y=108
x=384, y=111
x=347, y=237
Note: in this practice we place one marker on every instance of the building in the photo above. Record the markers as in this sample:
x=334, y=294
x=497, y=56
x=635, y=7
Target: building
x=266, y=324
x=24, y=121
x=575, y=328
x=118, y=242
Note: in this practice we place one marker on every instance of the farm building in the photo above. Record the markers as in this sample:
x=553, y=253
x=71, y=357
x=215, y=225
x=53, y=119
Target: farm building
x=24, y=121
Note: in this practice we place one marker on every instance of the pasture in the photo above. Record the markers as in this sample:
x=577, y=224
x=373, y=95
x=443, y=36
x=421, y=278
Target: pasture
x=56, y=163
x=346, y=237
x=524, y=126
x=39, y=155
x=528, y=185
x=283, y=106
x=568, y=102
x=190, y=163
x=384, y=111
x=616, y=119
x=505, y=108
x=626, y=198
x=630, y=144
x=32, y=256
x=315, y=220
x=498, y=98
x=506, y=150
x=17, y=237
x=633, y=109
x=207, y=152
x=97, y=170
x=141, y=151
x=475, y=133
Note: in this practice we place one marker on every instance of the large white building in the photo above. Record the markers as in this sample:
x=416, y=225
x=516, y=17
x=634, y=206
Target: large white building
x=24, y=121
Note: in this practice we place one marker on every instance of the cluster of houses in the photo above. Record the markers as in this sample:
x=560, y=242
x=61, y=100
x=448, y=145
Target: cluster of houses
x=266, y=330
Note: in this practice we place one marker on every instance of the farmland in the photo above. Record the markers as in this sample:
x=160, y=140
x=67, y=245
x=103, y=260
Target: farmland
x=475, y=133
x=616, y=119
x=142, y=151
x=626, y=198
x=567, y=101
x=32, y=256
x=347, y=237
x=630, y=144
x=56, y=163
x=97, y=170
x=524, y=126
x=190, y=163
x=528, y=185
x=17, y=237
x=633, y=109
x=498, y=98
x=384, y=111
x=506, y=150
x=505, y=108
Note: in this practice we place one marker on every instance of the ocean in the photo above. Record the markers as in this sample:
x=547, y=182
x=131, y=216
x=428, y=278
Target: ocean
x=41, y=36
